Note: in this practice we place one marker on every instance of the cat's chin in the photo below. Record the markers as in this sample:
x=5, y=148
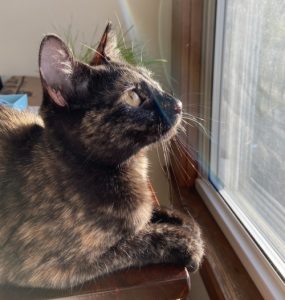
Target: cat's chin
x=168, y=135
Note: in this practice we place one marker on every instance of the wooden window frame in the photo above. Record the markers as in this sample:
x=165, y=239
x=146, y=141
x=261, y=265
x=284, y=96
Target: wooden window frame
x=223, y=271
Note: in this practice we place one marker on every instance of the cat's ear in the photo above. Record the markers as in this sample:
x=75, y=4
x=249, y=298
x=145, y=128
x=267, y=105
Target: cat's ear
x=56, y=68
x=107, y=48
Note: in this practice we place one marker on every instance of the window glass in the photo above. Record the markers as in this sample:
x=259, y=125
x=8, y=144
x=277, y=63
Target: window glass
x=248, y=149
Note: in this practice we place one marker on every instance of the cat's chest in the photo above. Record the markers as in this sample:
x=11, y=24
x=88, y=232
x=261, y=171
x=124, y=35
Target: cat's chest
x=123, y=196
x=127, y=185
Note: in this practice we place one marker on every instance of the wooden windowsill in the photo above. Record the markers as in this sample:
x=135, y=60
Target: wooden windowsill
x=148, y=283
x=222, y=272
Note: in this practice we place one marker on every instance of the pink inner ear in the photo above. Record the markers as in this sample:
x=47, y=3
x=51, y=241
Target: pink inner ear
x=56, y=97
x=56, y=69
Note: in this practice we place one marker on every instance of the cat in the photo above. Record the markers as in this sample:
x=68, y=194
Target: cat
x=75, y=202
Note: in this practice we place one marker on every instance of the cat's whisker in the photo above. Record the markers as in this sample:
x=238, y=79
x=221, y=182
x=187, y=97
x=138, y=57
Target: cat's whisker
x=166, y=172
x=166, y=158
x=186, y=113
x=195, y=105
x=160, y=163
x=188, y=146
x=188, y=122
x=176, y=142
x=178, y=162
x=180, y=150
x=184, y=149
x=174, y=176
x=166, y=163
x=188, y=95
x=191, y=117
x=205, y=119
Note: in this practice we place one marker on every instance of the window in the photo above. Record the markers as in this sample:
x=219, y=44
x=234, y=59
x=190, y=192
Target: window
x=229, y=70
x=248, y=151
x=245, y=157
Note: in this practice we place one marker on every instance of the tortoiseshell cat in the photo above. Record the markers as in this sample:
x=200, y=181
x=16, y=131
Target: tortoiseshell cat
x=74, y=200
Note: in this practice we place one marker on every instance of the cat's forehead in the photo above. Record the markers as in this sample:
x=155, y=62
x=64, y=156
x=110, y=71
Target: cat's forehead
x=128, y=75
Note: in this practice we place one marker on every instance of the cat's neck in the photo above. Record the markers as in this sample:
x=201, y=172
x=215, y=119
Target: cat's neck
x=64, y=145
x=74, y=154
x=124, y=186
x=138, y=164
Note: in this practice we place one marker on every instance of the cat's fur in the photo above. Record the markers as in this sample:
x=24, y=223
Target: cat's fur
x=74, y=196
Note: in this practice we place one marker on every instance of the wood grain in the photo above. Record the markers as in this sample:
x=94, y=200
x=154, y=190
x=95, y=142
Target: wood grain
x=223, y=274
x=186, y=71
x=160, y=282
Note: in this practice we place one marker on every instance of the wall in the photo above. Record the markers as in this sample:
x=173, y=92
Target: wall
x=198, y=289
x=24, y=23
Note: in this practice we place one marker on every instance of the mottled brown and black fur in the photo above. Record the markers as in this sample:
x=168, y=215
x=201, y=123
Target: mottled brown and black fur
x=74, y=197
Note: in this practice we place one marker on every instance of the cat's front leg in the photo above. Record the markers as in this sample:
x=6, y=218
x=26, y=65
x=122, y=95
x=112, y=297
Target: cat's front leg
x=158, y=243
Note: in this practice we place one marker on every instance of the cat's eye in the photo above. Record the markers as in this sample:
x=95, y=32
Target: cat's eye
x=131, y=98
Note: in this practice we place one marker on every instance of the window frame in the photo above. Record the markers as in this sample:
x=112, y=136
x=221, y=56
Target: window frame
x=259, y=268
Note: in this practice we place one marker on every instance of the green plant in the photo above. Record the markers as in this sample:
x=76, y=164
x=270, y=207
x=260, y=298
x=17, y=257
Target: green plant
x=130, y=52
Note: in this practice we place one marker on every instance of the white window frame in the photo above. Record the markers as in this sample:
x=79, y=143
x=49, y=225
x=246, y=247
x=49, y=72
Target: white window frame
x=225, y=213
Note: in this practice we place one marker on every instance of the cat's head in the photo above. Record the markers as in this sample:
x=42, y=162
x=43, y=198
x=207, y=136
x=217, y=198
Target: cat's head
x=108, y=110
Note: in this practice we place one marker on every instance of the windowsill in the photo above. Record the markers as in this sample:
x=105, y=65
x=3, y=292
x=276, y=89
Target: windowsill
x=222, y=271
x=258, y=267
x=197, y=70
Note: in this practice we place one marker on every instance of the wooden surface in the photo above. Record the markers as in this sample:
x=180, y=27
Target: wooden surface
x=222, y=272
x=159, y=282
x=187, y=19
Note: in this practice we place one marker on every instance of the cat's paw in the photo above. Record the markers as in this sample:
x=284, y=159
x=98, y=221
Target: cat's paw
x=186, y=246
x=194, y=247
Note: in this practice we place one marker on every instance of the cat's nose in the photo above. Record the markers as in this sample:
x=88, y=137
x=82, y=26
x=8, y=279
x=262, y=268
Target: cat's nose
x=178, y=107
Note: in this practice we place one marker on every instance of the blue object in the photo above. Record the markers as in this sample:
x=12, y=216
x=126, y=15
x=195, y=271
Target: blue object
x=18, y=101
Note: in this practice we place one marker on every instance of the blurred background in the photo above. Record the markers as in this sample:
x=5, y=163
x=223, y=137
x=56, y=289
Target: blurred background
x=144, y=24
